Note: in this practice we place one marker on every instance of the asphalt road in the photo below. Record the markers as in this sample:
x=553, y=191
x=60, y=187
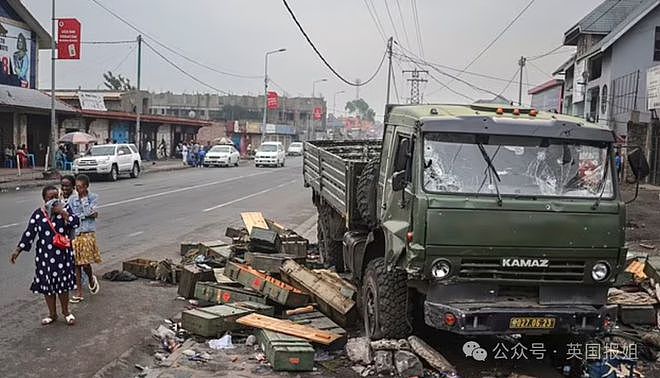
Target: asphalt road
x=145, y=217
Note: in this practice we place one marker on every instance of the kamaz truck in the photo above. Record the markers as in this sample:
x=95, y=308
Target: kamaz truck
x=475, y=219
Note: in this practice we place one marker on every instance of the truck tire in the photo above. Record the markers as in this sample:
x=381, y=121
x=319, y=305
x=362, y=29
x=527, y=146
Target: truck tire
x=385, y=302
x=331, y=247
x=366, y=193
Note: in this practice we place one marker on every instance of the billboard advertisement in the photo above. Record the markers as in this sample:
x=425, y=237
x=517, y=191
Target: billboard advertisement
x=15, y=54
x=318, y=114
x=68, y=38
x=91, y=101
x=273, y=101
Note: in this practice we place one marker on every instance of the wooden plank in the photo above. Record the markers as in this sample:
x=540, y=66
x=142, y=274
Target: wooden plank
x=329, y=296
x=289, y=328
x=254, y=219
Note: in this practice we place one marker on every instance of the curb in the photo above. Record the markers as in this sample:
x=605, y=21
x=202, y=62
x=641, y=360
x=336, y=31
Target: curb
x=29, y=184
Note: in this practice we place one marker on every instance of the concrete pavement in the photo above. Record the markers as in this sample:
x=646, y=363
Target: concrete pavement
x=147, y=217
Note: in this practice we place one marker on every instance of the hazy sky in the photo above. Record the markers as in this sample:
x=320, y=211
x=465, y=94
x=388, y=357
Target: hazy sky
x=232, y=35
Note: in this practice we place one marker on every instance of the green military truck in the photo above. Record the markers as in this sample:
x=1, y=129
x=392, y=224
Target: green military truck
x=477, y=219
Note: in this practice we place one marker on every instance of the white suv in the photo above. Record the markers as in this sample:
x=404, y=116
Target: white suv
x=270, y=153
x=110, y=160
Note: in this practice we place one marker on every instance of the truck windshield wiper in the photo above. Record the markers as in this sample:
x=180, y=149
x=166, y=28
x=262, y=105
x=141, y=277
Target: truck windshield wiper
x=492, y=171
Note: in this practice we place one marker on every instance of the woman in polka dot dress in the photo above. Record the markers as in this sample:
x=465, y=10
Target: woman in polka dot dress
x=54, y=270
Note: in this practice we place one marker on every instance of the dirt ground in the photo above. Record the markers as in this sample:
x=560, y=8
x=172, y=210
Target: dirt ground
x=643, y=219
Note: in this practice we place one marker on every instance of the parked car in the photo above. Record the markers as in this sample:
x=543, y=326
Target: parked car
x=222, y=155
x=110, y=160
x=270, y=153
x=295, y=149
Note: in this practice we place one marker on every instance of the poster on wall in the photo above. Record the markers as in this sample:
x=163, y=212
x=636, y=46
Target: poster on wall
x=15, y=55
x=578, y=81
x=653, y=87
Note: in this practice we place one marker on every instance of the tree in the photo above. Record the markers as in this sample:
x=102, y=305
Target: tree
x=361, y=108
x=118, y=83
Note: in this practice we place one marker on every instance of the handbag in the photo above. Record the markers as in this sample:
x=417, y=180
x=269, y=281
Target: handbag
x=59, y=241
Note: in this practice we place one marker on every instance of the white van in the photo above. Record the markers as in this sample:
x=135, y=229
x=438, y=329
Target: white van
x=270, y=153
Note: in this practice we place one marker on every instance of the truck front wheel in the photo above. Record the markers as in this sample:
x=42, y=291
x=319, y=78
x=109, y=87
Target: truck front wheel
x=385, y=302
x=331, y=247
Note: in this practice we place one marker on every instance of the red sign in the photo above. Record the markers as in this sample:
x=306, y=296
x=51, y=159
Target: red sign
x=318, y=113
x=273, y=101
x=68, y=38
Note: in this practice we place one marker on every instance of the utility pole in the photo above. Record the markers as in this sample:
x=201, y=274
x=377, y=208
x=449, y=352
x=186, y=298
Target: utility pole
x=521, y=63
x=389, y=69
x=53, y=117
x=415, y=97
x=138, y=108
x=357, y=88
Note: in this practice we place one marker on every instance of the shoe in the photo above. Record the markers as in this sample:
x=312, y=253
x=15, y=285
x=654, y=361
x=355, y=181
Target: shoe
x=94, y=285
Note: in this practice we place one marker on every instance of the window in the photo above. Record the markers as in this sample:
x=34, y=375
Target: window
x=656, y=50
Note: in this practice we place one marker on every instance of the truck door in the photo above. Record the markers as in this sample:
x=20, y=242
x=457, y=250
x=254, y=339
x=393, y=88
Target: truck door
x=398, y=193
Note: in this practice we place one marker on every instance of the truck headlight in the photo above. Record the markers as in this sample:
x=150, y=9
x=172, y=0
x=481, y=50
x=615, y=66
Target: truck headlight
x=441, y=269
x=600, y=271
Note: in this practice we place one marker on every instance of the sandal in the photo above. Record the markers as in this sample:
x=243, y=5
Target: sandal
x=48, y=320
x=70, y=319
x=76, y=299
x=94, y=289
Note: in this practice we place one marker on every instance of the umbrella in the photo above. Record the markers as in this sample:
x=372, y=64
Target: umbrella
x=78, y=137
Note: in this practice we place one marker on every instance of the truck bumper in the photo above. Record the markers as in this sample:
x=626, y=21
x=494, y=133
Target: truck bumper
x=500, y=318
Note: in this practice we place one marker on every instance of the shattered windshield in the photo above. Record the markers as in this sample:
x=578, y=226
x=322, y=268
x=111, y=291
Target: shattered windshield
x=525, y=166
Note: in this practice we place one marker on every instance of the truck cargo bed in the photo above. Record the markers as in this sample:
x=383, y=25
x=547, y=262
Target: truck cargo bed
x=331, y=169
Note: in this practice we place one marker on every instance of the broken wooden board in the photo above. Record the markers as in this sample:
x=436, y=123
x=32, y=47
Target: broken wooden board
x=272, y=288
x=319, y=321
x=636, y=267
x=285, y=352
x=253, y=219
x=269, y=262
x=220, y=278
x=215, y=248
x=216, y=293
x=331, y=301
x=289, y=328
x=345, y=288
x=432, y=356
x=187, y=247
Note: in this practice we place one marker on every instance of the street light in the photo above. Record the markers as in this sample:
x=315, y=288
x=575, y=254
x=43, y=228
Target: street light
x=266, y=83
x=334, y=102
x=314, y=85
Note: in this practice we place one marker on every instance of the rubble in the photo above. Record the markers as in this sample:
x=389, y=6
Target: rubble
x=387, y=344
x=359, y=350
x=383, y=362
x=431, y=356
x=408, y=364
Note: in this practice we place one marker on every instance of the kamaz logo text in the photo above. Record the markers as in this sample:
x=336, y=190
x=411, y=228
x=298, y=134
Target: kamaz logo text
x=526, y=263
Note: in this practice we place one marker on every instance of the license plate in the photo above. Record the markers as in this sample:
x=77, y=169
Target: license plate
x=532, y=323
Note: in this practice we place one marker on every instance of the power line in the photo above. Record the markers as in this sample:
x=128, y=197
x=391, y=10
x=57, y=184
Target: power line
x=318, y=53
x=539, y=69
x=108, y=42
x=121, y=62
x=509, y=83
x=173, y=51
x=403, y=23
x=389, y=14
x=182, y=70
x=376, y=23
x=418, y=30
x=497, y=37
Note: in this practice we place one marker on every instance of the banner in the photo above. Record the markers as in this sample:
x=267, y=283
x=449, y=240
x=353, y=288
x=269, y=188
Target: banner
x=318, y=114
x=15, y=55
x=68, y=38
x=91, y=101
x=273, y=101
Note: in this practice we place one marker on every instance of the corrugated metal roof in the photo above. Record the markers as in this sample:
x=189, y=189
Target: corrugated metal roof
x=604, y=18
x=29, y=99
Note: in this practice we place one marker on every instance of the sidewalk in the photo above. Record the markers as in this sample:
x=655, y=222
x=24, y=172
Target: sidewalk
x=33, y=177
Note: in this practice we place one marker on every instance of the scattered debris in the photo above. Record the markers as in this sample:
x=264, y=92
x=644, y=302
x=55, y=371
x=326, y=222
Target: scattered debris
x=431, y=356
x=116, y=275
x=359, y=350
x=270, y=262
x=647, y=246
x=222, y=343
x=285, y=352
x=389, y=344
x=190, y=275
x=274, y=289
x=142, y=268
x=321, y=322
x=408, y=364
x=289, y=328
x=636, y=267
x=620, y=297
x=383, y=362
x=299, y=310
x=251, y=340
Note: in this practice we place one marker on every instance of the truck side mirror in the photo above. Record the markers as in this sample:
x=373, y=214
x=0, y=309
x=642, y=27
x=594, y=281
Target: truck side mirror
x=399, y=181
x=403, y=152
x=638, y=164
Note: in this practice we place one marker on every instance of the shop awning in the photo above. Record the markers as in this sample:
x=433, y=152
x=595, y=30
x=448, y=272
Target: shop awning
x=29, y=100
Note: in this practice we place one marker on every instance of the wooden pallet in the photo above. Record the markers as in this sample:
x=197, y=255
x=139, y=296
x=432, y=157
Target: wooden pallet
x=289, y=328
x=254, y=219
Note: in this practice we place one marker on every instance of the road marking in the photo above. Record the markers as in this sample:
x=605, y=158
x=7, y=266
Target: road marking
x=180, y=190
x=248, y=196
x=135, y=234
x=9, y=225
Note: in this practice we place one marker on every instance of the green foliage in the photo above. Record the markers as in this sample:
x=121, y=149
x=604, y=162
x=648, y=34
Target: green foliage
x=118, y=83
x=360, y=108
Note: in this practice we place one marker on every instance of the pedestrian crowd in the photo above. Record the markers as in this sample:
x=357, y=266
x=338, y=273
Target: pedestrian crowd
x=193, y=153
x=14, y=153
x=64, y=228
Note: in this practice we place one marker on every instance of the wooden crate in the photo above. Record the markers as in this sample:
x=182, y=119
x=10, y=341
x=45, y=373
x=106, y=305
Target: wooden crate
x=142, y=268
x=319, y=321
x=294, y=244
x=200, y=323
x=190, y=275
x=269, y=262
x=272, y=288
x=227, y=316
x=216, y=293
x=259, y=308
x=286, y=353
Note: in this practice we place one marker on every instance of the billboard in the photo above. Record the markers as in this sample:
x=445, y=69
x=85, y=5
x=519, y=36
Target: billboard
x=273, y=102
x=16, y=46
x=91, y=101
x=318, y=114
x=68, y=38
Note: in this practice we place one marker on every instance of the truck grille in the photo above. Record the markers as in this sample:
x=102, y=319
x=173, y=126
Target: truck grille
x=487, y=269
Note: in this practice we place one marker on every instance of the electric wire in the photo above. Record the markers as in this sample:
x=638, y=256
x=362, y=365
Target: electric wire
x=191, y=76
x=170, y=49
x=389, y=15
x=418, y=29
x=373, y=18
x=318, y=53
x=536, y=67
x=403, y=23
x=497, y=37
x=509, y=83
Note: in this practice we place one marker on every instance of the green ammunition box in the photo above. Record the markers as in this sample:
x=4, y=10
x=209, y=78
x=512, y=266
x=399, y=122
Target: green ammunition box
x=286, y=353
x=227, y=316
x=200, y=323
x=272, y=288
x=269, y=262
x=220, y=294
x=259, y=308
